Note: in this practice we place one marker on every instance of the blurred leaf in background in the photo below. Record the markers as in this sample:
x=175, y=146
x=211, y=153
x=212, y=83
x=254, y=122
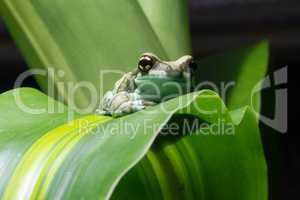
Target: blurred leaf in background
x=236, y=73
x=83, y=38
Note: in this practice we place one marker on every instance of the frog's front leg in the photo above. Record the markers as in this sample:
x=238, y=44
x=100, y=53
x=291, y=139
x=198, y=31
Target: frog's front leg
x=123, y=99
x=123, y=103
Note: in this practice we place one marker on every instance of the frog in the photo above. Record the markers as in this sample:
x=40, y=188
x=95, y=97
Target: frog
x=153, y=81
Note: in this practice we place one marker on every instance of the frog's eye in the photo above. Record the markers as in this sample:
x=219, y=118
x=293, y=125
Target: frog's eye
x=145, y=64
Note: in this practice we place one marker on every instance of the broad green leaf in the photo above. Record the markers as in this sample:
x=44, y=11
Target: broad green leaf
x=83, y=37
x=243, y=67
x=203, y=164
x=20, y=129
x=88, y=161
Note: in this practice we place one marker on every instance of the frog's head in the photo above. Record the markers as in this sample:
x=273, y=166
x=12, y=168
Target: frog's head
x=151, y=65
x=162, y=79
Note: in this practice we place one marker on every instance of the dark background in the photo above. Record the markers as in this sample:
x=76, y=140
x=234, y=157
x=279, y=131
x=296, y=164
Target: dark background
x=217, y=25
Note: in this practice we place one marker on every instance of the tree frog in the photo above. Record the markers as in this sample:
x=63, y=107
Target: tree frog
x=152, y=82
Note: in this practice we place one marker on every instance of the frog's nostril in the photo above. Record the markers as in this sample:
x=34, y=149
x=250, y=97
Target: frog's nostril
x=193, y=65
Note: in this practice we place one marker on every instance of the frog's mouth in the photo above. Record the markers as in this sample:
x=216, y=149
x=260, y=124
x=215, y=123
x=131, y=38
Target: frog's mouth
x=162, y=73
x=160, y=77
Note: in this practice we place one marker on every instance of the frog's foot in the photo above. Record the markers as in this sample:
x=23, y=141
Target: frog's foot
x=105, y=104
x=149, y=103
x=131, y=107
x=101, y=112
x=122, y=103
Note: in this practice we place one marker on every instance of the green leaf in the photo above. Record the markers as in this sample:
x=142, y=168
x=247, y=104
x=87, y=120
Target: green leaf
x=244, y=67
x=83, y=37
x=88, y=161
x=20, y=129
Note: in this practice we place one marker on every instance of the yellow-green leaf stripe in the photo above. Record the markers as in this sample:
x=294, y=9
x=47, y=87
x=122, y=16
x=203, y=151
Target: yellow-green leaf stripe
x=39, y=164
